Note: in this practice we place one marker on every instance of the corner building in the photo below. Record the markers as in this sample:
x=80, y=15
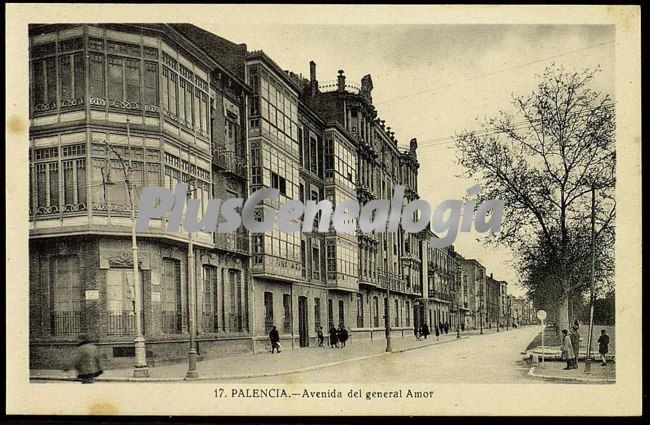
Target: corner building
x=157, y=100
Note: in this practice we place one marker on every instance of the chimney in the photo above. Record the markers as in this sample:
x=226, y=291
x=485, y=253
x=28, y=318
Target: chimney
x=313, y=82
x=341, y=81
x=413, y=146
x=366, y=86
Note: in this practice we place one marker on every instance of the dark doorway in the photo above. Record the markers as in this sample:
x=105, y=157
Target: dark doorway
x=302, y=322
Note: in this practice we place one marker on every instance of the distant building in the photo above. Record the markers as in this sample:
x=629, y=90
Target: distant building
x=473, y=281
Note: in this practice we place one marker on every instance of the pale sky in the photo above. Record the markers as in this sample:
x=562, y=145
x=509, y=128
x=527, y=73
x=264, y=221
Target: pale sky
x=433, y=81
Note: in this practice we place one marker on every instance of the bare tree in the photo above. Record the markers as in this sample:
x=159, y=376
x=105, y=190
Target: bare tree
x=543, y=160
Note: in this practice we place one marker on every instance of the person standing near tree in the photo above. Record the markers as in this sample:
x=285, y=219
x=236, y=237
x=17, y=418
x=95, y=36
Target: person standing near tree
x=603, y=346
x=575, y=341
x=567, y=350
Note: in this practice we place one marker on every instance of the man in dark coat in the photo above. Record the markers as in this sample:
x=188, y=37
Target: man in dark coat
x=334, y=338
x=437, y=333
x=343, y=335
x=86, y=361
x=274, y=336
x=425, y=330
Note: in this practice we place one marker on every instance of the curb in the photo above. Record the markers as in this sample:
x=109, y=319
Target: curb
x=257, y=375
x=532, y=373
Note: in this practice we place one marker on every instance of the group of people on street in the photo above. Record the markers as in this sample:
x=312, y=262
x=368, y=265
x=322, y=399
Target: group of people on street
x=571, y=346
x=423, y=331
x=338, y=337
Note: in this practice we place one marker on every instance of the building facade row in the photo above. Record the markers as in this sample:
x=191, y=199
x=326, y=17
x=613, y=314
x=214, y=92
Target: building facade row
x=156, y=105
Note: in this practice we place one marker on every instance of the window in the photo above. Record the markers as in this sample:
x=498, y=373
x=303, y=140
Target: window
x=132, y=80
x=47, y=186
x=150, y=94
x=210, y=299
x=313, y=155
x=330, y=313
x=341, y=313
x=315, y=260
x=120, y=301
x=97, y=74
x=317, y=313
x=303, y=257
x=359, y=310
x=268, y=311
x=67, y=296
x=235, y=300
x=115, y=78
x=375, y=311
x=408, y=313
x=396, y=313
x=278, y=182
x=74, y=183
x=286, y=305
x=171, y=302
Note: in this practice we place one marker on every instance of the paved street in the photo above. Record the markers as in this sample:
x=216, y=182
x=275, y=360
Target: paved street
x=490, y=358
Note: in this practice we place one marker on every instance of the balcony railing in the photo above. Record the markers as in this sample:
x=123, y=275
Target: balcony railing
x=122, y=323
x=67, y=322
x=230, y=162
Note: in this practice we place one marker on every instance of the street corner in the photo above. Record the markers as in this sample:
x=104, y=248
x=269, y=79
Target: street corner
x=555, y=371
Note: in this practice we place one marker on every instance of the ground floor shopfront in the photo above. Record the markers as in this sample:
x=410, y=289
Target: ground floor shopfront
x=299, y=309
x=85, y=284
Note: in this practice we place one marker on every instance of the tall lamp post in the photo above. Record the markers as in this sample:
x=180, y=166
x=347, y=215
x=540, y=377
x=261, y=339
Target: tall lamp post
x=140, y=370
x=192, y=372
x=389, y=346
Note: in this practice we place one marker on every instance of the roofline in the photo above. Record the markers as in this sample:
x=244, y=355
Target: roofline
x=262, y=56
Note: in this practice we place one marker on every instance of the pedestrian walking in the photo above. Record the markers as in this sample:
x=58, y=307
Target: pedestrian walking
x=416, y=331
x=321, y=338
x=462, y=327
x=86, y=360
x=274, y=336
x=567, y=350
x=437, y=333
x=343, y=335
x=446, y=327
x=575, y=341
x=603, y=346
x=425, y=330
x=334, y=338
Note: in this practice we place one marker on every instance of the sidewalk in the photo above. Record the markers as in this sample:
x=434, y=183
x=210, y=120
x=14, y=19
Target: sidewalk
x=555, y=371
x=263, y=364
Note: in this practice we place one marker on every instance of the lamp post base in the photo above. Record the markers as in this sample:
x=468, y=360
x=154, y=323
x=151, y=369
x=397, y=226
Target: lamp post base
x=141, y=370
x=192, y=373
x=389, y=346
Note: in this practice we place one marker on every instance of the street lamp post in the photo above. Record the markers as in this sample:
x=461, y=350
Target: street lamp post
x=192, y=372
x=389, y=346
x=141, y=369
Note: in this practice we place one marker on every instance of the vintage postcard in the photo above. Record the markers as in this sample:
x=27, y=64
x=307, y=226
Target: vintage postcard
x=323, y=210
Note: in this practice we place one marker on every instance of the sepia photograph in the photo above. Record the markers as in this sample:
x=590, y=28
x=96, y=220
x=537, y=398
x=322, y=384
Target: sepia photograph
x=333, y=210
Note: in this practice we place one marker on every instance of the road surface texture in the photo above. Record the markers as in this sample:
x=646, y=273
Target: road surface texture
x=491, y=358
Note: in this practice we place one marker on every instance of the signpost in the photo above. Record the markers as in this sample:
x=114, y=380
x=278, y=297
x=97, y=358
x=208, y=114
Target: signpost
x=541, y=315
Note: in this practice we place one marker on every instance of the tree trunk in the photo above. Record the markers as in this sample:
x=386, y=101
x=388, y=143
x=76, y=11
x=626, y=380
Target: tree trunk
x=563, y=313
